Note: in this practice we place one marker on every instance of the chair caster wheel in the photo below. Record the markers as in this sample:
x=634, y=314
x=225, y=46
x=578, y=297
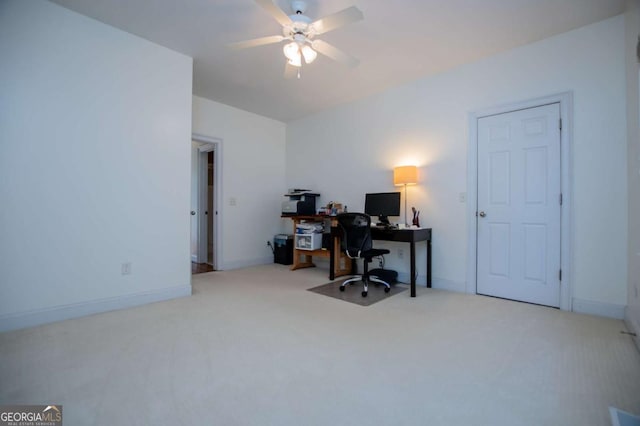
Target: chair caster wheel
x=387, y=289
x=341, y=288
x=364, y=294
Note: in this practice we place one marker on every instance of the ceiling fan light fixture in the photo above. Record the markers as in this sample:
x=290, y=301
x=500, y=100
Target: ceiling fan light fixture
x=309, y=54
x=292, y=51
x=296, y=61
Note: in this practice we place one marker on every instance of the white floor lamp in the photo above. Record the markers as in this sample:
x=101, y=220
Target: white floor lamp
x=405, y=175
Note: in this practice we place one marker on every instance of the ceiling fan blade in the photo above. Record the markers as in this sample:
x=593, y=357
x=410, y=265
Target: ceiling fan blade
x=337, y=20
x=275, y=11
x=257, y=42
x=334, y=53
x=290, y=71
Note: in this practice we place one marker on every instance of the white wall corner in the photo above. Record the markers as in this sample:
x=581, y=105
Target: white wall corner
x=633, y=324
x=601, y=309
x=245, y=263
x=19, y=320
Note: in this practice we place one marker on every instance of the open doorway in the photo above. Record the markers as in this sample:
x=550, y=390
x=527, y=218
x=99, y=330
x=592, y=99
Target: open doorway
x=205, y=184
x=210, y=206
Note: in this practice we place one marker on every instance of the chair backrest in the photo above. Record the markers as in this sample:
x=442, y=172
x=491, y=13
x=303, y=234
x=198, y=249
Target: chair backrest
x=356, y=232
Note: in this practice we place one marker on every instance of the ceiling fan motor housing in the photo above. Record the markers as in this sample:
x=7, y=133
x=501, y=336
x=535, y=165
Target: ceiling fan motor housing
x=299, y=22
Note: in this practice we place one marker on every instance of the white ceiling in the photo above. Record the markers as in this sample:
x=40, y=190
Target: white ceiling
x=397, y=42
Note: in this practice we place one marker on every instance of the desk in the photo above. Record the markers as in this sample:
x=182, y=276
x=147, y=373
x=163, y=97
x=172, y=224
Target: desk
x=340, y=264
x=411, y=236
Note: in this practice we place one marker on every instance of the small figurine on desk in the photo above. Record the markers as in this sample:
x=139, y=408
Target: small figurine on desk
x=416, y=217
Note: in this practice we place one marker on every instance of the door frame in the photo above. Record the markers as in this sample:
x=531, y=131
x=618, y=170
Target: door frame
x=565, y=100
x=209, y=144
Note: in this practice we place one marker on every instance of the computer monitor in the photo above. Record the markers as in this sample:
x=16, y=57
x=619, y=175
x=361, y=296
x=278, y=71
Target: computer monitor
x=383, y=205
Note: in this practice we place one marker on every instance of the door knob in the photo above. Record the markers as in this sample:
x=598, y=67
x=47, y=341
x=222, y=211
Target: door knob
x=193, y=213
x=482, y=214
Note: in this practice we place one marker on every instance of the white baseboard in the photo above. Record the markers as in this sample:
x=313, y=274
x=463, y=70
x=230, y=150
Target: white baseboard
x=245, y=263
x=421, y=280
x=439, y=283
x=602, y=309
x=36, y=317
x=444, y=284
x=405, y=277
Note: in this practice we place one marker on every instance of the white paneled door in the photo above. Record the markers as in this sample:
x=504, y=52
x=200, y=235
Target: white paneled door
x=519, y=205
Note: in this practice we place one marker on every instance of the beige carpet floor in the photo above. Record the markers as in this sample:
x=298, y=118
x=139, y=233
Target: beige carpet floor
x=254, y=347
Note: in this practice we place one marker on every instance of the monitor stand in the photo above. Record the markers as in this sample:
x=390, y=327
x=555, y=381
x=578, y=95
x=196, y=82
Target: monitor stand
x=383, y=220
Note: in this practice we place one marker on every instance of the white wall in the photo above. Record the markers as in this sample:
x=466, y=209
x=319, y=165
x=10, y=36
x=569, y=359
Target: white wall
x=353, y=149
x=253, y=175
x=632, y=25
x=95, y=126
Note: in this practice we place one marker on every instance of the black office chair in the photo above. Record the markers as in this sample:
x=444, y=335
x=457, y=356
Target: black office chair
x=356, y=242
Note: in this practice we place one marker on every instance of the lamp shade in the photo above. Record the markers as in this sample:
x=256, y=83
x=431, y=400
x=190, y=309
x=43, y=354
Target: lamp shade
x=296, y=61
x=405, y=175
x=309, y=54
x=291, y=50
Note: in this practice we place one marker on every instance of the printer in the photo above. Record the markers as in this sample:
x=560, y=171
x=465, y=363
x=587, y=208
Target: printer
x=299, y=202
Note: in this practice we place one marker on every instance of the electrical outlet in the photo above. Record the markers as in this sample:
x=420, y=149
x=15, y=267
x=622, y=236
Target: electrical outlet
x=401, y=253
x=232, y=201
x=462, y=197
x=126, y=268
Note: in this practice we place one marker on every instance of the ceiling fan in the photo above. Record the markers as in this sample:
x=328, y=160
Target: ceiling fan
x=300, y=32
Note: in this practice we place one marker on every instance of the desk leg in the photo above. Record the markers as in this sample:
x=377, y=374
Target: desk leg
x=413, y=269
x=429, y=263
x=332, y=260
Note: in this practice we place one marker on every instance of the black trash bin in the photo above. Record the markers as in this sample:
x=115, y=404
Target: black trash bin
x=283, y=249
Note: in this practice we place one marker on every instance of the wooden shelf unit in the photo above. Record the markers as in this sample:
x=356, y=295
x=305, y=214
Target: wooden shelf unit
x=340, y=264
